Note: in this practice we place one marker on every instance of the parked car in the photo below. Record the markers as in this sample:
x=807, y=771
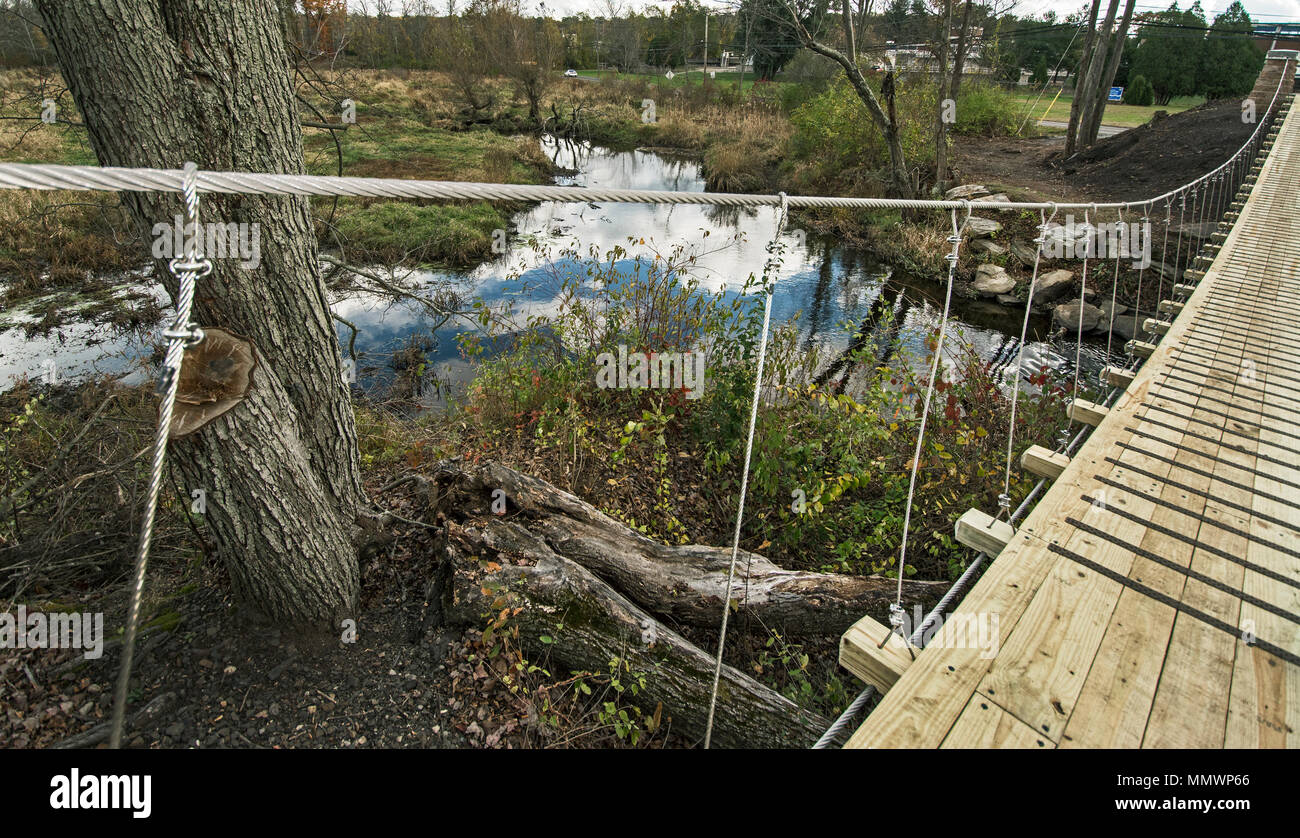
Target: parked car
x=571, y=73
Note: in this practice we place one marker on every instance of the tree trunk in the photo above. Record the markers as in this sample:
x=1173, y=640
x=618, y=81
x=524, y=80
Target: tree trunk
x=886, y=122
x=591, y=624
x=161, y=83
x=959, y=62
x=1085, y=90
x=1093, y=128
x=940, y=126
x=1085, y=57
x=685, y=585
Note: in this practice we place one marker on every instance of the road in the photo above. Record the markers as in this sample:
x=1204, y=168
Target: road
x=1106, y=130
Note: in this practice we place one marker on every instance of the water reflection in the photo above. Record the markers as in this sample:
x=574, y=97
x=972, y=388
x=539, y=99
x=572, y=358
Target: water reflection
x=843, y=298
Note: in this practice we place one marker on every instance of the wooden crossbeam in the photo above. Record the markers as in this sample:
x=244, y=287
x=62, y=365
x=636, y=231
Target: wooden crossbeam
x=1039, y=461
x=862, y=653
x=983, y=533
x=1119, y=377
x=1086, y=412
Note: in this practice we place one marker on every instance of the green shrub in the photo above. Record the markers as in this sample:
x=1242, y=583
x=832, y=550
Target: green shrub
x=835, y=132
x=1139, y=92
x=986, y=111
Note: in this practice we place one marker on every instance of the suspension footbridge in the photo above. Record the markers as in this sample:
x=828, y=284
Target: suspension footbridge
x=1152, y=597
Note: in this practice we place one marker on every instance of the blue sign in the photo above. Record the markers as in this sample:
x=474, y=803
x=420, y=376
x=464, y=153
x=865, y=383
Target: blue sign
x=1116, y=94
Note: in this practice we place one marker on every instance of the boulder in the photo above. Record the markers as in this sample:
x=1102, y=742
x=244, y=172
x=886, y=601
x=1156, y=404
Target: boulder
x=1000, y=198
x=992, y=280
x=1025, y=253
x=1104, y=305
x=1067, y=316
x=986, y=246
x=1053, y=285
x=1124, y=328
x=1009, y=300
x=979, y=228
x=969, y=191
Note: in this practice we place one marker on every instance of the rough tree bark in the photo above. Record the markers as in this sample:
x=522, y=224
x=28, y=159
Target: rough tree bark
x=617, y=594
x=940, y=126
x=1085, y=57
x=159, y=83
x=1093, y=126
x=591, y=624
x=959, y=61
x=1087, y=88
x=682, y=584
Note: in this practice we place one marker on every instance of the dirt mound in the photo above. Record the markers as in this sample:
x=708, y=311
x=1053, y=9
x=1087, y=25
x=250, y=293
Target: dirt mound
x=1154, y=158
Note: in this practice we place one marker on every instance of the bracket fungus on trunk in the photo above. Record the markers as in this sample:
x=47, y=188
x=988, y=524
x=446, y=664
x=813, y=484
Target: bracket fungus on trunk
x=216, y=374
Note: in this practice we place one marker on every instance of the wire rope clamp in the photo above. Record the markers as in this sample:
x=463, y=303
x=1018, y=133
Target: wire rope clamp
x=216, y=374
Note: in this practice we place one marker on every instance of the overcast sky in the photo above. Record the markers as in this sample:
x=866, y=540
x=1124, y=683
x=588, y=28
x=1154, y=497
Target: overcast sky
x=1260, y=10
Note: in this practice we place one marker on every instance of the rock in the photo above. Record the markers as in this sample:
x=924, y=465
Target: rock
x=1125, y=329
x=1067, y=316
x=1194, y=229
x=970, y=190
x=1065, y=242
x=1104, y=305
x=1025, y=253
x=1009, y=300
x=986, y=246
x=992, y=280
x=979, y=228
x=1053, y=285
x=1000, y=198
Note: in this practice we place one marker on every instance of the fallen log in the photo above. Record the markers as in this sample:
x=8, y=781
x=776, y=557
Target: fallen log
x=684, y=585
x=590, y=624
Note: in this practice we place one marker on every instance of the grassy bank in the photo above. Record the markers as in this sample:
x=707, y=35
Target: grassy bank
x=1038, y=108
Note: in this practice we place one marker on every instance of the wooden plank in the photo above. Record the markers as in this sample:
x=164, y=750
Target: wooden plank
x=1081, y=410
x=1140, y=348
x=983, y=724
x=1119, y=377
x=1115, y=702
x=1040, y=461
x=1193, y=700
x=862, y=654
x=1083, y=653
x=982, y=532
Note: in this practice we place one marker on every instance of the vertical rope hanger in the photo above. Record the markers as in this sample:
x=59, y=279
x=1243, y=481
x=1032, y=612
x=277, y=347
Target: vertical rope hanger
x=1137, y=304
x=896, y=615
x=1004, y=499
x=770, y=270
x=1114, y=287
x=183, y=333
x=1083, y=292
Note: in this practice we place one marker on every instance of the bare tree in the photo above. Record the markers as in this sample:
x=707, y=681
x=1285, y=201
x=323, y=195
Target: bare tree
x=526, y=50
x=806, y=17
x=1085, y=61
x=1090, y=129
x=941, y=49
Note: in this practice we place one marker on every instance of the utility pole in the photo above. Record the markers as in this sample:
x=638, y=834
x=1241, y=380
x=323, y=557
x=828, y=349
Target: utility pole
x=706, y=42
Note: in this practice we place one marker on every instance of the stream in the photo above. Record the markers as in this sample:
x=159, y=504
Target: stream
x=827, y=289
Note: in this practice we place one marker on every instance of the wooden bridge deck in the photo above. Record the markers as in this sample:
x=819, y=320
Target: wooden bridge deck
x=1125, y=600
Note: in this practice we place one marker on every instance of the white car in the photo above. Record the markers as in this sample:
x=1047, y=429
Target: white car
x=571, y=74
